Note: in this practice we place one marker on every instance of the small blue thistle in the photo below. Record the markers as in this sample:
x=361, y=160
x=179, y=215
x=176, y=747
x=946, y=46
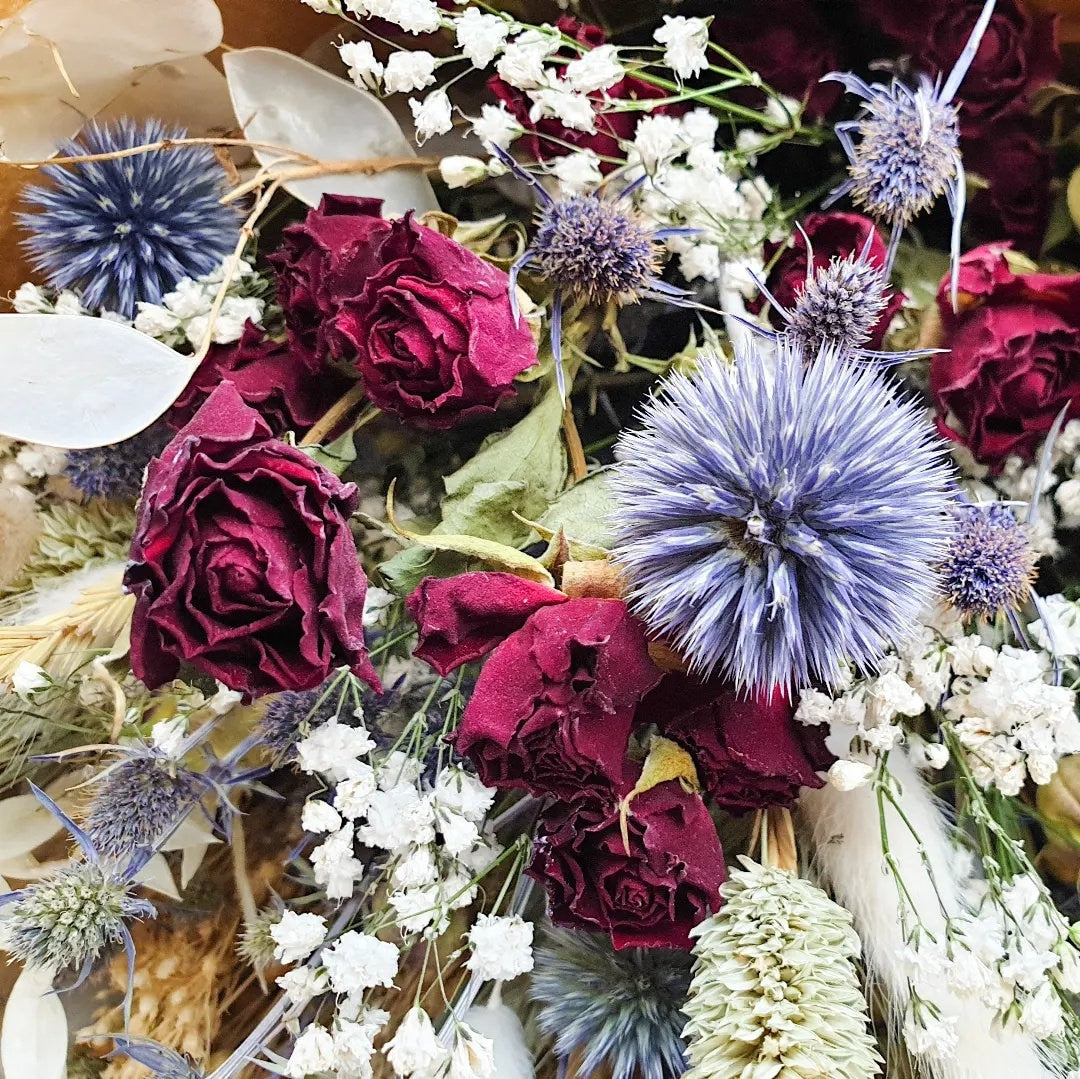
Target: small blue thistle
x=619, y=1008
x=138, y=801
x=292, y=715
x=990, y=564
x=127, y=229
x=592, y=247
x=775, y=518
x=908, y=154
x=116, y=471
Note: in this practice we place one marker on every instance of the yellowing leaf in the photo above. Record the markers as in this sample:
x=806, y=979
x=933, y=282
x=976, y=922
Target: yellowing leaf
x=666, y=761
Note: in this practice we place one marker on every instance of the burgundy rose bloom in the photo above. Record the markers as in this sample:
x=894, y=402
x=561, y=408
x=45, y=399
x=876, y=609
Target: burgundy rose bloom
x=324, y=259
x=543, y=138
x=1018, y=169
x=788, y=44
x=433, y=333
x=831, y=235
x=649, y=897
x=749, y=752
x=1013, y=359
x=1018, y=52
x=243, y=564
x=281, y=380
x=554, y=705
x=463, y=618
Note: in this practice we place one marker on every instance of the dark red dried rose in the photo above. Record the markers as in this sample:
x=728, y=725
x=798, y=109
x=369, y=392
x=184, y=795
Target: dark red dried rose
x=243, y=564
x=463, y=618
x=554, y=705
x=749, y=751
x=281, y=380
x=831, y=235
x=434, y=337
x=548, y=138
x=649, y=896
x=323, y=260
x=1014, y=356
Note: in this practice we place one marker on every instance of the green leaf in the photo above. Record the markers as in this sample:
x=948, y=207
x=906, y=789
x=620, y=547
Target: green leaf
x=335, y=456
x=404, y=572
x=584, y=513
x=1072, y=197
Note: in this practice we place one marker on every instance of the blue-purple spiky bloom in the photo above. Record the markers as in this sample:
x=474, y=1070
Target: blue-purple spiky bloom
x=775, y=518
x=990, y=563
x=116, y=471
x=127, y=229
x=908, y=154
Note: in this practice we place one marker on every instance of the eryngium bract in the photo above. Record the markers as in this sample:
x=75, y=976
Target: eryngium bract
x=775, y=519
x=127, y=229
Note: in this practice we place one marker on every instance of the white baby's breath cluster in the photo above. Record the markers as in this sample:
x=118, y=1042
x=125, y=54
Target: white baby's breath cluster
x=774, y=987
x=183, y=315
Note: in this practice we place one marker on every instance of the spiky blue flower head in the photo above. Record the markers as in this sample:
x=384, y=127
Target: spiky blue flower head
x=293, y=714
x=116, y=471
x=127, y=229
x=66, y=920
x=137, y=801
x=619, y=1008
x=907, y=155
x=990, y=563
x=774, y=518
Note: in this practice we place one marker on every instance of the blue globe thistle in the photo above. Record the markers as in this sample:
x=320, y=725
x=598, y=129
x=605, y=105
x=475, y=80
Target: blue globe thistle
x=616, y=1008
x=292, y=715
x=990, y=564
x=67, y=920
x=908, y=154
x=774, y=518
x=116, y=471
x=127, y=229
x=139, y=800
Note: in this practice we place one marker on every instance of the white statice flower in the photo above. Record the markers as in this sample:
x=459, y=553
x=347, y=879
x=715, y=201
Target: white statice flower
x=332, y=750
x=365, y=69
x=686, y=40
x=29, y=679
x=313, y=1053
x=415, y=1049
x=335, y=866
x=302, y=985
x=480, y=36
x=398, y=818
x=598, y=69
x=473, y=1056
x=296, y=936
x=496, y=126
x=413, y=16
x=1060, y=631
x=432, y=116
x=460, y=170
x=319, y=816
x=352, y=797
x=849, y=775
x=409, y=70
x=501, y=947
x=359, y=961
x=572, y=110
x=577, y=172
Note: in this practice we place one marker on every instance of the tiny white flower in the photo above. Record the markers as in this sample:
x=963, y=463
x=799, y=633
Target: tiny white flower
x=501, y=947
x=409, y=70
x=598, y=69
x=473, y=1056
x=354, y=1044
x=67, y=303
x=496, y=126
x=332, y=750
x=319, y=816
x=419, y=908
x=30, y=299
x=480, y=36
x=458, y=170
x=432, y=116
x=703, y=261
x=302, y=984
x=397, y=819
x=415, y=1048
x=416, y=870
x=28, y=679
x=353, y=796
x=359, y=961
x=571, y=110
x=296, y=936
x=462, y=792
x=397, y=768
x=313, y=1053
x=686, y=41
x=154, y=320
x=413, y=16
x=849, y=775
x=364, y=68
x=577, y=172
x=334, y=865
x=167, y=735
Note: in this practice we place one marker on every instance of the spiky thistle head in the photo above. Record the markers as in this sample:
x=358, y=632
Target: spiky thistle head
x=116, y=471
x=67, y=920
x=775, y=991
x=255, y=944
x=595, y=248
x=840, y=304
x=990, y=563
x=292, y=715
x=137, y=801
x=619, y=1008
x=127, y=229
x=775, y=518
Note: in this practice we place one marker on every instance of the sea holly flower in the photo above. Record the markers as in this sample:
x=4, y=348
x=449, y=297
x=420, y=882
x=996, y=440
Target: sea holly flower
x=907, y=155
